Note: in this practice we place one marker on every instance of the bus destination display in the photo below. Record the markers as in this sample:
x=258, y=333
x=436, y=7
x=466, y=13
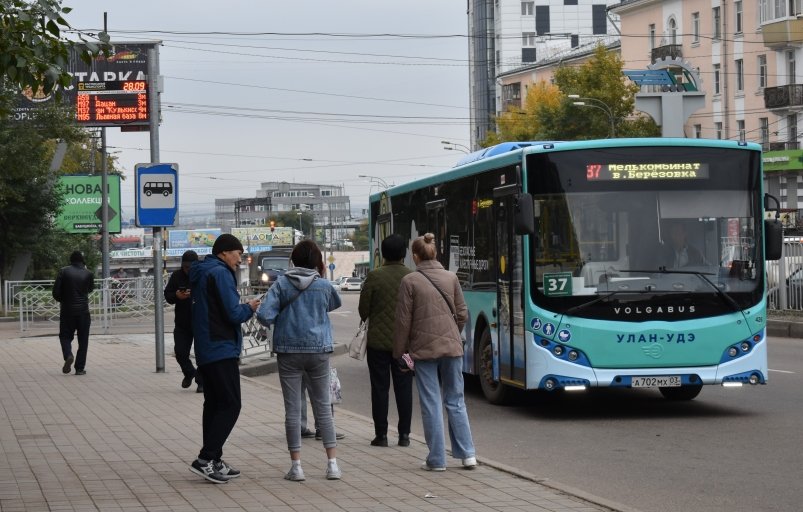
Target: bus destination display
x=647, y=171
x=112, y=103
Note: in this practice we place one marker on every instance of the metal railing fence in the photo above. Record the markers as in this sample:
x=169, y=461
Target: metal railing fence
x=112, y=301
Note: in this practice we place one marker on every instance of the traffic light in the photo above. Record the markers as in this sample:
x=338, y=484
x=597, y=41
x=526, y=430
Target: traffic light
x=272, y=226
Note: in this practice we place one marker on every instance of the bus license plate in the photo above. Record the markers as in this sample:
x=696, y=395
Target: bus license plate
x=654, y=381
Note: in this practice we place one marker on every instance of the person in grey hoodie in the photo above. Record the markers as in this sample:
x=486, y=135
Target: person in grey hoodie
x=297, y=305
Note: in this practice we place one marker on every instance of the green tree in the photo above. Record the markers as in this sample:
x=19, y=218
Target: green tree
x=549, y=114
x=360, y=237
x=290, y=219
x=33, y=52
x=29, y=199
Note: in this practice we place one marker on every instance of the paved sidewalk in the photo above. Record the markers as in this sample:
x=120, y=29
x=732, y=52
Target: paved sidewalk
x=120, y=438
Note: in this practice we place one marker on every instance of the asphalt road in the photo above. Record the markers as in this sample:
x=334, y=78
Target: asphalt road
x=734, y=449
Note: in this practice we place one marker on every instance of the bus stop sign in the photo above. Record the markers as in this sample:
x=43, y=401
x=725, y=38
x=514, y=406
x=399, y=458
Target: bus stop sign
x=157, y=195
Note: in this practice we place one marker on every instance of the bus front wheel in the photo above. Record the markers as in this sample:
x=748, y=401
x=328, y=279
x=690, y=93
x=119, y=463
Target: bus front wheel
x=495, y=392
x=681, y=393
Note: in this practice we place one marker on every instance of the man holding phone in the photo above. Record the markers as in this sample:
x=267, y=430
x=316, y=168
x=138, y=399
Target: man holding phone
x=178, y=292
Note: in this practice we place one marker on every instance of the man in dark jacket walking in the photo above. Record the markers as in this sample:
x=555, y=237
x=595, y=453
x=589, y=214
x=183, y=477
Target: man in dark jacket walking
x=71, y=289
x=378, y=304
x=216, y=318
x=177, y=292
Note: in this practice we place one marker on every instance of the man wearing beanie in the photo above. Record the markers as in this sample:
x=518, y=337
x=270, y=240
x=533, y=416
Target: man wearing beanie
x=72, y=287
x=177, y=292
x=216, y=318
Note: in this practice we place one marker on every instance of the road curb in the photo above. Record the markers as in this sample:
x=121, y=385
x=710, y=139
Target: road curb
x=784, y=328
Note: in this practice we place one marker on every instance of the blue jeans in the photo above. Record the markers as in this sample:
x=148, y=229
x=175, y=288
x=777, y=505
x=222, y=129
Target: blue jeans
x=429, y=393
x=291, y=370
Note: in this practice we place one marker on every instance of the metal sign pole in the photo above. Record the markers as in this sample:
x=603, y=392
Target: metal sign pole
x=158, y=282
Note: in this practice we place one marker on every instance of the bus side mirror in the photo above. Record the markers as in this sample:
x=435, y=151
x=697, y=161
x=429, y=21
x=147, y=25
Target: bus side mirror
x=524, y=218
x=773, y=239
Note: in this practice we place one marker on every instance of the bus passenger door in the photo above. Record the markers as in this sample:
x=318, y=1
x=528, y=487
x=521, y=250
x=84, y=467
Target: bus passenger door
x=436, y=224
x=510, y=314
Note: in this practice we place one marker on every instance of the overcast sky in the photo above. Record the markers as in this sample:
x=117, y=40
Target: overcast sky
x=377, y=99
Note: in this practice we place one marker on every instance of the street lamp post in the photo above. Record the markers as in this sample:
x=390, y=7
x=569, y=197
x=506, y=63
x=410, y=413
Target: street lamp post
x=453, y=146
x=299, y=213
x=377, y=179
x=599, y=105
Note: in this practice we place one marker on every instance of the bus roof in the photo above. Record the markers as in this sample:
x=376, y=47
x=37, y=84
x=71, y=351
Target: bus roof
x=494, y=156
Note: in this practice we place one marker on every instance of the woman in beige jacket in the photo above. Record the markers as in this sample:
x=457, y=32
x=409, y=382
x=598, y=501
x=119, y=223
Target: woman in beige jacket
x=430, y=314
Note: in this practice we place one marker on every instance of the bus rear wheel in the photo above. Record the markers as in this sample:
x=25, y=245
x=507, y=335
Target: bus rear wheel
x=495, y=392
x=681, y=393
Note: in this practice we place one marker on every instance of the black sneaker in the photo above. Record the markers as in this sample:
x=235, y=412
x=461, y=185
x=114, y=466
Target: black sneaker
x=208, y=471
x=67, y=365
x=200, y=389
x=307, y=433
x=226, y=470
x=80, y=372
x=185, y=382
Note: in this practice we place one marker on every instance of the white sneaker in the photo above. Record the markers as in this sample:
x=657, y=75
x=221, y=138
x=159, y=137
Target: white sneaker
x=332, y=471
x=296, y=474
x=426, y=467
x=470, y=463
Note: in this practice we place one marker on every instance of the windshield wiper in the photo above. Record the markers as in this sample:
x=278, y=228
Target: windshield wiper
x=589, y=303
x=702, y=275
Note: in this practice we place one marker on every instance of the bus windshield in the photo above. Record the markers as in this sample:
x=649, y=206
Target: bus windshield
x=648, y=229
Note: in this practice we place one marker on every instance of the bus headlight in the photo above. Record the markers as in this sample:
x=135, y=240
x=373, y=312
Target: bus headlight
x=745, y=346
x=558, y=350
x=573, y=355
x=732, y=351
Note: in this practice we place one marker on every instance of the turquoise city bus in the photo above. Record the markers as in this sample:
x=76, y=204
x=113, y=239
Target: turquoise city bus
x=633, y=263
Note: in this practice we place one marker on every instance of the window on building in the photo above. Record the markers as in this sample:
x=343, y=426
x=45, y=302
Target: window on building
x=737, y=8
x=698, y=131
x=740, y=127
x=527, y=8
x=716, y=78
x=528, y=39
x=569, y=2
x=715, y=16
x=651, y=32
x=599, y=19
x=739, y=74
x=718, y=129
x=574, y=40
x=673, y=31
x=764, y=133
x=541, y=19
x=791, y=131
x=791, y=68
x=528, y=55
x=762, y=71
x=764, y=11
x=695, y=27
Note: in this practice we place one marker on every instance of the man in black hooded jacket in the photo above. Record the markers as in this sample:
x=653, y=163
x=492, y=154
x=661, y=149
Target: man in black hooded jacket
x=72, y=287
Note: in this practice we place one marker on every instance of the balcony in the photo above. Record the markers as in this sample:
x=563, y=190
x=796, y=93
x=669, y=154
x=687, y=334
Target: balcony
x=668, y=50
x=783, y=32
x=784, y=96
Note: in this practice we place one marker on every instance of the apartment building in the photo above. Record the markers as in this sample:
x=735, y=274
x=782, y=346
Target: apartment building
x=508, y=34
x=328, y=204
x=746, y=54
